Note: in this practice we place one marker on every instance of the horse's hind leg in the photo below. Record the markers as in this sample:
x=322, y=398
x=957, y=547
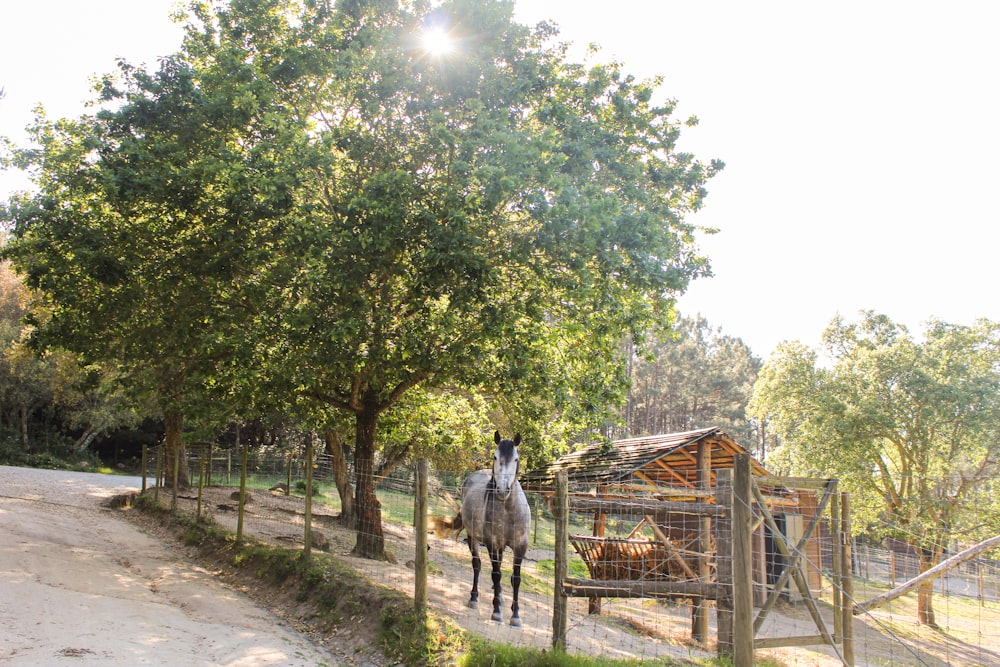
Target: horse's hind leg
x=496, y=559
x=515, y=584
x=477, y=566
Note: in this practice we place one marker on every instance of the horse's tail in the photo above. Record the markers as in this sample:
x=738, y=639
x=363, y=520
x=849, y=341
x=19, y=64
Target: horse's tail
x=447, y=526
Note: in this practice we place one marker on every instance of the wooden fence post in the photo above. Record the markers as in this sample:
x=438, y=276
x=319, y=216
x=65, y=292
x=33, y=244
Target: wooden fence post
x=244, y=454
x=837, y=551
x=420, y=528
x=201, y=481
x=159, y=473
x=560, y=606
x=724, y=563
x=174, y=481
x=307, y=531
x=742, y=563
x=208, y=473
x=847, y=580
x=536, y=510
x=699, y=612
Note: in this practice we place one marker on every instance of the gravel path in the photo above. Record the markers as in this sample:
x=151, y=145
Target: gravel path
x=80, y=587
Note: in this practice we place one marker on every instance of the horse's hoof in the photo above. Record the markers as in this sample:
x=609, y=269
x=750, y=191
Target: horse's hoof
x=473, y=604
x=497, y=616
x=515, y=621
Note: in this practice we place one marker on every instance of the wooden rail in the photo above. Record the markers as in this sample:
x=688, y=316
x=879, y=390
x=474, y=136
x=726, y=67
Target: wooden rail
x=641, y=588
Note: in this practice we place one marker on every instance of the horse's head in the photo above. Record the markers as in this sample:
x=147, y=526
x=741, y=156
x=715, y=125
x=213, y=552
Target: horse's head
x=506, y=461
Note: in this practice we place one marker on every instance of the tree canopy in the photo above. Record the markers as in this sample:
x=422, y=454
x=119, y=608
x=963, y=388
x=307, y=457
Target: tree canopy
x=306, y=204
x=911, y=426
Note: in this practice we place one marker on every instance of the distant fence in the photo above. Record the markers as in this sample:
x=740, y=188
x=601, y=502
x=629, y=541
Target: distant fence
x=977, y=579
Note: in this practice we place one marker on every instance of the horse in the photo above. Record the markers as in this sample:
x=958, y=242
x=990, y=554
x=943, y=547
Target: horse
x=495, y=513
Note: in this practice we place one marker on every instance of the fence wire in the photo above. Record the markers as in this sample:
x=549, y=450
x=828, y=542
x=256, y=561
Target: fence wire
x=633, y=547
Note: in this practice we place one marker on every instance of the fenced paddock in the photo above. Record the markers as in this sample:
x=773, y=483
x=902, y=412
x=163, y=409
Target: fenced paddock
x=657, y=624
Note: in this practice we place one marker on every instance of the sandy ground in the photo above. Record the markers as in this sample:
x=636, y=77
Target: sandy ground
x=78, y=586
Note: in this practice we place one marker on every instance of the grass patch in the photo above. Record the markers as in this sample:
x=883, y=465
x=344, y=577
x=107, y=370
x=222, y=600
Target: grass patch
x=575, y=567
x=487, y=654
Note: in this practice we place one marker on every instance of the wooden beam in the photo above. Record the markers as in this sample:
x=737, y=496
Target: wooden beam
x=743, y=627
x=724, y=566
x=939, y=569
x=669, y=545
x=643, y=507
x=670, y=471
x=796, y=482
x=629, y=588
x=775, y=642
x=560, y=611
x=699, y=614
x=686, y=454
x=684, y=493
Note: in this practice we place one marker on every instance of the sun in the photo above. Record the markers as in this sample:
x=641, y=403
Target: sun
x=437, y=41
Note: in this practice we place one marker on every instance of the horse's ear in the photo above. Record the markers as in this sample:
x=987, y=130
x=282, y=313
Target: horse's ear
x=496, y=437
x=517, y=440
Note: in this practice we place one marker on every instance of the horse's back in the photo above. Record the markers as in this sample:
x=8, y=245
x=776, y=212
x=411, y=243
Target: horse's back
x=519, y=522
x=474, y=502
x=476, y=483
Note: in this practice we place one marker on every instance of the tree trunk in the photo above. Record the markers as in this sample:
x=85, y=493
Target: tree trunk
x=392, y=459
x=88, y=436
x=23, y=413
x=925, y=593
x=371, y=540
x=173, y=421
x=335, y=448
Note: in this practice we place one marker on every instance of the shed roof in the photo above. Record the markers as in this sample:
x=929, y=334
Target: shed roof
x=643, y=464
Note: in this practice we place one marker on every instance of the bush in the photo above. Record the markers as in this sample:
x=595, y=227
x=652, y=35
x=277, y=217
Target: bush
x=300, y=486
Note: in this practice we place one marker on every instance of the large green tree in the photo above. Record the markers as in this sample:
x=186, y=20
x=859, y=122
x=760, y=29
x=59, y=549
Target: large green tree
x=912, y=424
x=309, y=203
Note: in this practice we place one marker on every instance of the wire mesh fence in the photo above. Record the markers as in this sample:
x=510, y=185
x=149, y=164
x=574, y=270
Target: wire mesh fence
x=650, y=614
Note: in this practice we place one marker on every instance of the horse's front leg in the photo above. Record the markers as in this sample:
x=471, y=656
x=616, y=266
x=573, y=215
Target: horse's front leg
x=515, y=584
x=477, y=565
x=496, y=558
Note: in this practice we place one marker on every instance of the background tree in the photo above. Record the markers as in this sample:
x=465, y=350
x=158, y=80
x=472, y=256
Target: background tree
x=695, y=378
x=912, y=425
x=84, y=400
x=14, y=397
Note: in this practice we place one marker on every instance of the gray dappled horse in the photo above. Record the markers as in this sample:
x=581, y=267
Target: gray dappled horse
x=495, y=514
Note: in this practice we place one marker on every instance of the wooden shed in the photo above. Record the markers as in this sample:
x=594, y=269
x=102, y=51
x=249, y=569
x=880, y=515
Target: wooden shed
x=668, y=467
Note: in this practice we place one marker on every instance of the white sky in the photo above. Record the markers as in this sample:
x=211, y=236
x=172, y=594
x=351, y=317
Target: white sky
x=861, y=138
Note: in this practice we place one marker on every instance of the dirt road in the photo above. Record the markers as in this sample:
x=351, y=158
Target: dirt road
x=78, y=587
